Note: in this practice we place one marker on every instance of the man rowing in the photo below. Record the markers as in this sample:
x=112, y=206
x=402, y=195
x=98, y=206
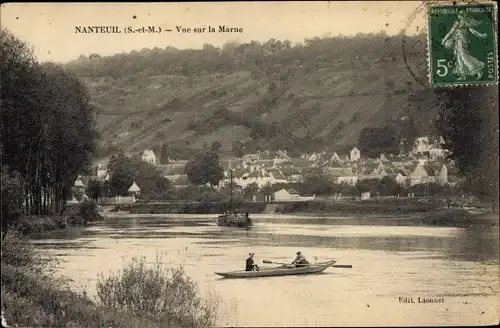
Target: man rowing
x=300, y=261
x=250, y=264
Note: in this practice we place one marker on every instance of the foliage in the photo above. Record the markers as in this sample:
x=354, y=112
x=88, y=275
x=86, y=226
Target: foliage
x=409, y=132
x=376, y=140
x=387, y=186
x=47, y=124
x=251, y=189
x=164, y=154
x=88, y=210
x=165, y=294
x=216, y=145
x=124, y=171
x=18, y=252
x=468, y=121
x=95, y=189
x=205, y=168
x=11, y=195
x=298, y=77
x=33, y=297
x=317, y=185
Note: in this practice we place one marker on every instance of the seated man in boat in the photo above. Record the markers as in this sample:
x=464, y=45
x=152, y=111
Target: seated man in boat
x=250, y=264
x=300, y=260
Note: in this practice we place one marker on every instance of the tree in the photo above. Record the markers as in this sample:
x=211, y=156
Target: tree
x=376, y=140
x=95, y=189
x=317, y=185
x=468, y=122
x=122, y=174
x=48, y=126
x=164, y=154
x=388, y=187
x=251, y=189
x=409, y=132
x=216, y=145
x=205, y=168
x=11, y=191
x=153, y=185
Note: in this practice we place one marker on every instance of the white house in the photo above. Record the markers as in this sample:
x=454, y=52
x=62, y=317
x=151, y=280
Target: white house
x=355, y=154
x=101, y=172
x=342, y=175
x=289, y=195
x=134, y=189
x=148, y=156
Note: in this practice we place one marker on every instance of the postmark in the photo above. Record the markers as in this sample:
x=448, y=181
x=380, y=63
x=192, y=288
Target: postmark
x=462, y=44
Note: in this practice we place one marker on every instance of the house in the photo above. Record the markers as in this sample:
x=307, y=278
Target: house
x=437, y=173
x=134, y=190
x=277, y=177
x=250, y=157
x=101, y=172
x=341, y=174
x=289, y=195
x=79, y=183
x=417, y=174
x=365, y=195
x=355, y=154
x=149, y=156
x=371, y=170
x=175, y=172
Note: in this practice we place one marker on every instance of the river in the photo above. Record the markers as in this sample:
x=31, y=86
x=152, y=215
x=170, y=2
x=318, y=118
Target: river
x=458, y=265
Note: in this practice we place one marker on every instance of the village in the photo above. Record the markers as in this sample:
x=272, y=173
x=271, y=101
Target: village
x=425, y=164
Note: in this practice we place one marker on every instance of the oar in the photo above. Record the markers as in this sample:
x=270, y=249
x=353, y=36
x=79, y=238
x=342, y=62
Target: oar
x=346, y=266
x=271, y=262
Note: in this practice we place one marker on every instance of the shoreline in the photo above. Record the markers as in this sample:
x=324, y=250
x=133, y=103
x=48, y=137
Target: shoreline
x=456, y=218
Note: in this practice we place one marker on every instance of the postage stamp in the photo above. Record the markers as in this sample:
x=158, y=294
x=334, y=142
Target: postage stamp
x=462, y=41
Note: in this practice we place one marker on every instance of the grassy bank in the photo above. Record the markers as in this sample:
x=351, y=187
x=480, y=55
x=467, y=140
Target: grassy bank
x=402, y=211
x=74, y=215
x=137, y=296
x=375, y=206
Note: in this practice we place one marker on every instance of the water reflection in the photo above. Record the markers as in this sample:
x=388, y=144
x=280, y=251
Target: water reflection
x=468, y=244
x=388, y=262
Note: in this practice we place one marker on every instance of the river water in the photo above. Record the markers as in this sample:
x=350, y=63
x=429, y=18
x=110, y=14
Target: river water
x=459, y=265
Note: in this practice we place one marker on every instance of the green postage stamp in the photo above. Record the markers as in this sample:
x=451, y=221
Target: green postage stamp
x=462, y=44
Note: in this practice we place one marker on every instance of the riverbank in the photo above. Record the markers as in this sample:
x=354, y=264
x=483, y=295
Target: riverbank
x=392, y=212
x=32, y=296
x=74, y=215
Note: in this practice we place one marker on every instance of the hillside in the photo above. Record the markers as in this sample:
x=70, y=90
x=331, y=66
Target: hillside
x=311, y=96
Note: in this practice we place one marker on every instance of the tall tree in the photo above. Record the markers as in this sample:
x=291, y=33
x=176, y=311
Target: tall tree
x=164, y=154
x=376, y=140
x=205, y=168
x=468, y=121
x=47, y=123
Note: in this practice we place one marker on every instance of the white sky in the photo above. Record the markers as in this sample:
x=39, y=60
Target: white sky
x=50, y=27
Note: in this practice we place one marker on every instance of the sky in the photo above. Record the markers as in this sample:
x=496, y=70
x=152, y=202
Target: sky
x=50, y=27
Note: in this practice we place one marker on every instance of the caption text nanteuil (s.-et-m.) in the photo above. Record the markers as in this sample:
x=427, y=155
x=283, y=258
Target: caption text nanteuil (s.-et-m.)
x=153, y=29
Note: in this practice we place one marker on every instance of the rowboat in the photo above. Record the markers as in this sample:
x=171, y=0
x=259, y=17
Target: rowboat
x=234, y=220
x=283, y=270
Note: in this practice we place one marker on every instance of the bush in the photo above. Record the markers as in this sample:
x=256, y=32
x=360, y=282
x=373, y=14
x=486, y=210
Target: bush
x=165, y=294
x=18, y=252
x=88, y=211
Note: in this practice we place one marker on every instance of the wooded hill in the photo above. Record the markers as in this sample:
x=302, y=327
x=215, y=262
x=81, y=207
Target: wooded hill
x=314, y=95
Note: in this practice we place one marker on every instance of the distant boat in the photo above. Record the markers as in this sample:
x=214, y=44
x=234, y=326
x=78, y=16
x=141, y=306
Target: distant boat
x=236, y=219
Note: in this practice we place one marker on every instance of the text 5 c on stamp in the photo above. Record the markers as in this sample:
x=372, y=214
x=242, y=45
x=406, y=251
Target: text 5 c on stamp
x=462, y=44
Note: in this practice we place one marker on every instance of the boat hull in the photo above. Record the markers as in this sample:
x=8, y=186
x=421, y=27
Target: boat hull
x=279, y=271
x=234, y=220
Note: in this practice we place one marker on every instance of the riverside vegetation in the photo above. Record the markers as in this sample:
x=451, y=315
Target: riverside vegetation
x=137, y=296
x=48, y=139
